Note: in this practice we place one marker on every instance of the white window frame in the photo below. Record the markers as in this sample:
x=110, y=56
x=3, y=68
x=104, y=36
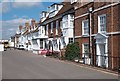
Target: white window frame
x=47, y=29
x=57, y=26
x=65, y=21
x=83, y=49
x=51, y=27
x=43, y=14
x=99, y=28
x=83, y=31
x=43, y=30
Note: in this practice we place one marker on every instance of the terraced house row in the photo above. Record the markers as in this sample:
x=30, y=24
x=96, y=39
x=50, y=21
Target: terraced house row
x=95, y=25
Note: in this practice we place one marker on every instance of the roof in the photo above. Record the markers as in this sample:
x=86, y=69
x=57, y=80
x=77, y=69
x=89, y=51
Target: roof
x=55, y=4
x=66, y=7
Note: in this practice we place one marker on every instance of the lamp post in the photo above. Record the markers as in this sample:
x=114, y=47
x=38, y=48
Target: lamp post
x=90, y=33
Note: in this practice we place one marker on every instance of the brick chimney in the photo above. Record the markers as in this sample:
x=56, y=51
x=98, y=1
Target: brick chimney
x=27, y=25
x=33, y=23
x=20, y=28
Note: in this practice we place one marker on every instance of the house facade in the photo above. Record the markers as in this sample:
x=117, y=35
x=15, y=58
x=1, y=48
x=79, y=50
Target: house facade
x=97, y=31
x=58, y=25
x=94, y=25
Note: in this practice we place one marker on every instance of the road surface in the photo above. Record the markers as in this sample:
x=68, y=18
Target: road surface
x=18, y=64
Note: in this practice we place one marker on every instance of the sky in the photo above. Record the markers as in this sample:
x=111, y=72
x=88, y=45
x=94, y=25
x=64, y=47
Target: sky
x=16, y=12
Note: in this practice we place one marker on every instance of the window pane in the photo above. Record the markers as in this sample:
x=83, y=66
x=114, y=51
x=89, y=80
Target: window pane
x=86, y=48
x=102, y=23
x=52, y=27
x=85, y=27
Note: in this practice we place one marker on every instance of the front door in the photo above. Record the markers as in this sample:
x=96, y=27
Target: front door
x=102, y=59
x=102, y=53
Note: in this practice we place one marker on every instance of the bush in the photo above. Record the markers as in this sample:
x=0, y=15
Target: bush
x=72, y=51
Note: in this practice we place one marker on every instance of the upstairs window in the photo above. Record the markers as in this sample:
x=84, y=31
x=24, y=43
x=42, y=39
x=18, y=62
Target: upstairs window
x=52, y=27
x=102, y=23
x=85, y=27
x=47, y=29
x=43, y=29
x=57, y=27
x=65, y=22
x=43, y=14
x=53, y=8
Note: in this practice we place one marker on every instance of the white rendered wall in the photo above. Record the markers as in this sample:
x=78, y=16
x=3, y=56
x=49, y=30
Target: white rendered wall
x=1, y=47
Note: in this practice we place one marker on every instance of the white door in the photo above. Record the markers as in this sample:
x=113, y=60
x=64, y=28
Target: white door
x=102, y=54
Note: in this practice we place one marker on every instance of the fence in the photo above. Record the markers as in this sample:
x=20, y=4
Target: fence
x=103, y=61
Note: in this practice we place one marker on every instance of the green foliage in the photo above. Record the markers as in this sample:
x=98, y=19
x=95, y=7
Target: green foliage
x=72, y=51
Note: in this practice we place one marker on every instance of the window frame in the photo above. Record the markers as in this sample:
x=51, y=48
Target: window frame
x=99, y=23
x=51, y=27
x=83, y=49
x=57, y=27
x=47, y=29
x=83, y=27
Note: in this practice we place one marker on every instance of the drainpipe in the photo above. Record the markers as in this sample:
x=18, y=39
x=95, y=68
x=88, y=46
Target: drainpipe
x=90, y=33
x=112, y=54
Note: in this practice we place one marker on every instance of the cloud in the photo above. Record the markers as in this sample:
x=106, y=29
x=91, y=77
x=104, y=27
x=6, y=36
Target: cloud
x=10, y=27
x=25, y=3
x=5, y=7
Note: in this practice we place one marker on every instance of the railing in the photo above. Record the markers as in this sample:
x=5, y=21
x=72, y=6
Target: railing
x=103, y=61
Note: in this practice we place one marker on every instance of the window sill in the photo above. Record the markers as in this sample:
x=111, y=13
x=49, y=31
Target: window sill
x=85, y=35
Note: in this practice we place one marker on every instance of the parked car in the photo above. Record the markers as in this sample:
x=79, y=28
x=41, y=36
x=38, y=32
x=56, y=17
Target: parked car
x=48, y=52
x=21, y=47
x=44, y=52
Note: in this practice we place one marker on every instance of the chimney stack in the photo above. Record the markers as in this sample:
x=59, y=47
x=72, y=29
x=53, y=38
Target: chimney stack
x=33, y=23
x=27, y=25
x=20, y=27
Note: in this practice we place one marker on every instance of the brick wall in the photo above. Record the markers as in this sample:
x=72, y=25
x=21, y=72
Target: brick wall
x=113, y=25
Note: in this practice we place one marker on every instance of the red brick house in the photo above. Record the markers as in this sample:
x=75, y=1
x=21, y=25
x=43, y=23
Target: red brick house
x=98, y=33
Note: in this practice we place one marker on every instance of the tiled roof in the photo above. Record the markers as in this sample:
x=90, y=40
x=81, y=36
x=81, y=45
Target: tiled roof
x=66, y=6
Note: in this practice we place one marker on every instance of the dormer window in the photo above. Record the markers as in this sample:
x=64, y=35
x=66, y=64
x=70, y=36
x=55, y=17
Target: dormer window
x=53, y=7
x=73, y=1
x=43, y=15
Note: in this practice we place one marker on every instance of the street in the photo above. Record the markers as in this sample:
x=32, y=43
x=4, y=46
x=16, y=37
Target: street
x=18, y=64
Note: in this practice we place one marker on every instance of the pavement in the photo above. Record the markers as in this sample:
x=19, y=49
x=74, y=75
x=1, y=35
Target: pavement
x=18, y=64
